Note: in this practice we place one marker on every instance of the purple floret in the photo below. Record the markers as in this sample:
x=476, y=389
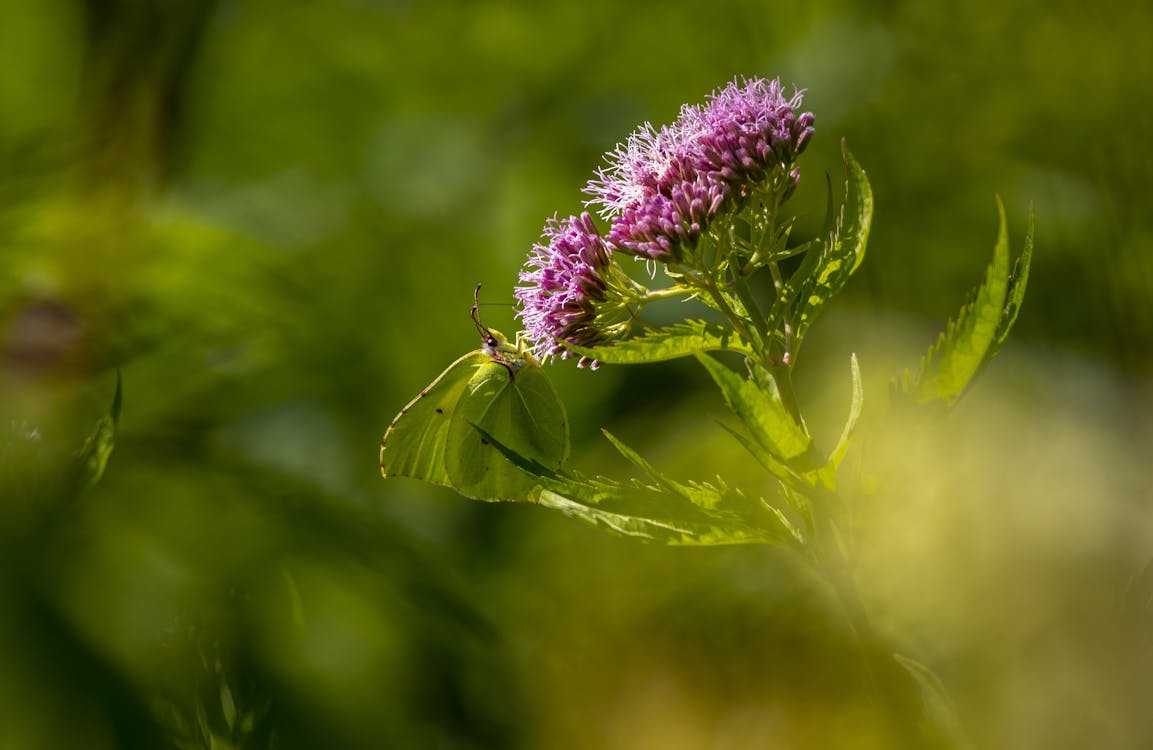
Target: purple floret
x=663, y=186
x=562, y=280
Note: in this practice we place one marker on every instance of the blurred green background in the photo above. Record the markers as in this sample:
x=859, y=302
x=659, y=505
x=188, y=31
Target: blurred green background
x=269, y=215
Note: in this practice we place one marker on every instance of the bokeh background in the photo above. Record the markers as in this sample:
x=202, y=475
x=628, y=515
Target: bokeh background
x=269, y=216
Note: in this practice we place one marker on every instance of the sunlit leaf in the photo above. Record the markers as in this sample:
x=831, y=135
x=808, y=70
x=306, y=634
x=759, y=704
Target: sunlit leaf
x=678, y=340
x=829, y=471
x=1018, y=280
x=658, y=530
x=972, y=339
x=826, y=269
x=668, y=512
x=761, y=410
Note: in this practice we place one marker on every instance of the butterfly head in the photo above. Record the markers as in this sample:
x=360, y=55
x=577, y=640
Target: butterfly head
x=496, y=344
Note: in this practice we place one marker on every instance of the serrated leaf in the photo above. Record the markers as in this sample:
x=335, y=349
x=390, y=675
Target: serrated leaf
x=637, y=509
x=761, y=410
x=768, y=462
x=669, y=513
x=825, y=271
x=656, y=530
x=1018, y=280
x=671, y=342
x=972, y=339
x=710, y=497
x=657, y=476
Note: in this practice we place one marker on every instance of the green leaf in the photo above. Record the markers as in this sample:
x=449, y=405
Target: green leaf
x=770, y=463
x=1018, y=280
x=93, y=457
x=678, y=340
x=825, y=271
x=658, y=515
x=708, y=497
x=761, y=410
x=669, y=512
x=938, y=707
x=972, y=339
x=829, y=471
x=658, y=530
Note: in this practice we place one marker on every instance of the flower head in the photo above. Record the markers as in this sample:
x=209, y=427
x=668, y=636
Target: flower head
x=663, y=186
x=747, y=129
x=572, y=291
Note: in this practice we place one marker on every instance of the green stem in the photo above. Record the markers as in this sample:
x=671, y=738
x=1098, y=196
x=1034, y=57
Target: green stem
x=745, y=295
x=895, y=690
x=649, y=295
x=768, y=236
x=706, y=283
x=787, y=318
x=751, y=335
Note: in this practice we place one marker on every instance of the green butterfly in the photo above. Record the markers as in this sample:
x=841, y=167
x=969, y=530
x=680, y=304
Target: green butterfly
x=499, y=388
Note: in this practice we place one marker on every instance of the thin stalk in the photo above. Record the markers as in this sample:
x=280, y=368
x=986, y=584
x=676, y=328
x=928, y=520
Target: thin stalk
x=895, y=691
x=707, y=284
x=745, y=295
x=649, y=295
x=751, y=335
x=768, y=237
x=786, y=316
x=783, y=375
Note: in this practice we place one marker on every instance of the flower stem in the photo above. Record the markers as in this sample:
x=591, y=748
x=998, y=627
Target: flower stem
x=787, y=318
x=649, y=295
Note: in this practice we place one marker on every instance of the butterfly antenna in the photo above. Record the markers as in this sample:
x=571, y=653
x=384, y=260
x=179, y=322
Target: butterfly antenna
x=474, y=313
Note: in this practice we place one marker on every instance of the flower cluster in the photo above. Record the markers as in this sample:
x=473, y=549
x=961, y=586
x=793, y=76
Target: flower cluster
x=662, y=187
x=659, y=192
x=567, y=277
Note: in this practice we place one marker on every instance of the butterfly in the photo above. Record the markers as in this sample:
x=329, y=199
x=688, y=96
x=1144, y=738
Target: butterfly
x=500, y=389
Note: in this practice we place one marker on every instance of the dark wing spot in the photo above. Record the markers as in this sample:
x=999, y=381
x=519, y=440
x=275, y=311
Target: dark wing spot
x=483, y=441
x=439, y=410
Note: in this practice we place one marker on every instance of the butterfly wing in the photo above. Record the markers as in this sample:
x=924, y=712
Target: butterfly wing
x=518, y=407
x=414, y=445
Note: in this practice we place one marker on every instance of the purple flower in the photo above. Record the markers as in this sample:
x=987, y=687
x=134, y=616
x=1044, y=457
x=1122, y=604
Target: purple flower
x=663, y=186
x=659, y=226
x=747, y=129
x=567, y=278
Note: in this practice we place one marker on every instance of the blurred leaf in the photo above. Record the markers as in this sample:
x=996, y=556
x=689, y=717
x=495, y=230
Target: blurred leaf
x=93, y=457
x=829, y=471
x=938, y=707
x=678, y=340
x=972, y=339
